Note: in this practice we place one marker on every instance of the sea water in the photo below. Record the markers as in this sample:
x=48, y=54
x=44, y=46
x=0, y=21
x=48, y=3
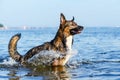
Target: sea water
x=96, y=55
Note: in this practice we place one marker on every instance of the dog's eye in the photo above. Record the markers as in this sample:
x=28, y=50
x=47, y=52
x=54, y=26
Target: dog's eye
x=73, y=24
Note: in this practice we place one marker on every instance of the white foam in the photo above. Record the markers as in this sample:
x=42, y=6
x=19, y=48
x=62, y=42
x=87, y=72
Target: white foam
x=9, y=61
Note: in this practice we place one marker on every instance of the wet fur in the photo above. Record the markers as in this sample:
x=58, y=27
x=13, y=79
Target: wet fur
x=62, y=43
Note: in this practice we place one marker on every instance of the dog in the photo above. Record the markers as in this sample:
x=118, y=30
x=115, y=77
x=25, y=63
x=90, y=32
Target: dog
x=61, y=43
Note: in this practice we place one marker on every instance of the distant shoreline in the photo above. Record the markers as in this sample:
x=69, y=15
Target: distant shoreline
x=37, y=28
x=2, y=28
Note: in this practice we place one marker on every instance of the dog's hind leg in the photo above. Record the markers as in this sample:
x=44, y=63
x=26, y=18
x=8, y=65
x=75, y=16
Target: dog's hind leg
x=12, y=48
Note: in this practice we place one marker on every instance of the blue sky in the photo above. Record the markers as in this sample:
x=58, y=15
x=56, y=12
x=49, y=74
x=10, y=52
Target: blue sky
x=46, y=13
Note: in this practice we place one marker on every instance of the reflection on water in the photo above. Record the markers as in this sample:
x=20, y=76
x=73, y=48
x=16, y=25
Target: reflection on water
x=50, y=73
x=39, y=72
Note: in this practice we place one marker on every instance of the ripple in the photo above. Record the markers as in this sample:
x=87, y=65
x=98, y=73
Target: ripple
x=110, y=52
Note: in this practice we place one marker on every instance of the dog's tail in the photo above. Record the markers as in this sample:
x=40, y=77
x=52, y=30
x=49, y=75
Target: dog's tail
x=12, y=48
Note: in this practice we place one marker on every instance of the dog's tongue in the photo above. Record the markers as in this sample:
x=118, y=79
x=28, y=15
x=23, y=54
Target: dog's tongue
x=78, y=31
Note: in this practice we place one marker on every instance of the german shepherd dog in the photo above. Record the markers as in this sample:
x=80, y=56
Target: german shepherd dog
x=61, y=43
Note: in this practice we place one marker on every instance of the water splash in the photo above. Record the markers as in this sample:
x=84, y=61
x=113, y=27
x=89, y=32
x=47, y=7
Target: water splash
x=9, y=61
x=46, y=57
x=42, y=58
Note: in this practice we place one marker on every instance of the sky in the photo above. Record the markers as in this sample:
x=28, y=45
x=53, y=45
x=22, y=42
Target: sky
x=46, y=13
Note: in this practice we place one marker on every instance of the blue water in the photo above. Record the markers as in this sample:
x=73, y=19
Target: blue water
x=97, y=55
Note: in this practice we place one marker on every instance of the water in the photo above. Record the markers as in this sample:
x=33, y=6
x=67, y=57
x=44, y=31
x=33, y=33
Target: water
x=97, y=55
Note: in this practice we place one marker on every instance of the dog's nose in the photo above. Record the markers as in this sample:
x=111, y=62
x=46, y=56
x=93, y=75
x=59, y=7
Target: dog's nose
x=81, y=27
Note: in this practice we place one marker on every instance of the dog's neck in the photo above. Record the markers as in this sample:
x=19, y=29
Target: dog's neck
x=69, y=41
x=62, y=43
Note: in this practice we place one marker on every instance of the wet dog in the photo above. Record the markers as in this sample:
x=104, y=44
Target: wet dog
x=62, y=43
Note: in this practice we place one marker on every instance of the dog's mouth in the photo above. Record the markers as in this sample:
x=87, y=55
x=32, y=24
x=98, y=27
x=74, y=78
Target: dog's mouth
x=76, y=30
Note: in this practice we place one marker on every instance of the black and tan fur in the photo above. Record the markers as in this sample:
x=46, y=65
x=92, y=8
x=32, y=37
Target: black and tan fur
x=62, y=43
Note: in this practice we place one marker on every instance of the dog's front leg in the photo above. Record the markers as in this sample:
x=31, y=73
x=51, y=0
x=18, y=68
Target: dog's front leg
x=61, y=61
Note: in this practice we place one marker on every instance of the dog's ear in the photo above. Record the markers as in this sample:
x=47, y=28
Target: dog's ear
x=62, y=19
x=73, y=19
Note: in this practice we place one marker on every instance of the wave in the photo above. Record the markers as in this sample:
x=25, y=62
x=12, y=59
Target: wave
x=112, y=51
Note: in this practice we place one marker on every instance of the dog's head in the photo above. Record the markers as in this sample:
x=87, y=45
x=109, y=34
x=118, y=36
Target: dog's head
x=69, y=27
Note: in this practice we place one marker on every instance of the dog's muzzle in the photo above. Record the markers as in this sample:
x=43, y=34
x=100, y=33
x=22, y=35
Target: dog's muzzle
x=76, y=30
